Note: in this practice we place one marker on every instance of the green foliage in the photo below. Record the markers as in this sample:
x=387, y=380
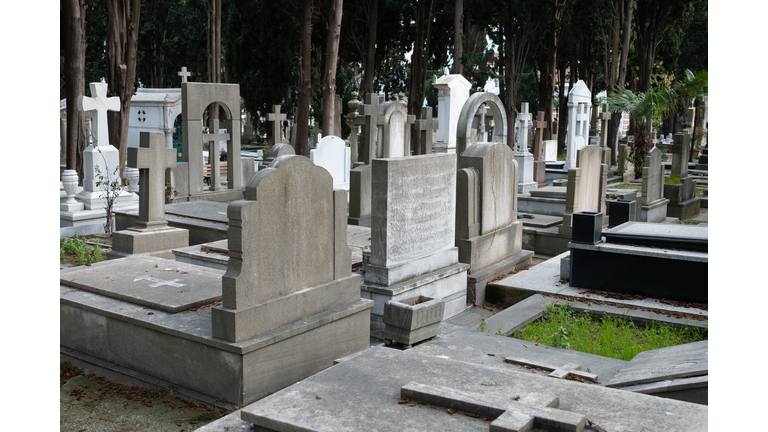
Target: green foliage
x=500, y=330
x=672, y=180
x=79, y=251
x=483, y=327
x=616, y=337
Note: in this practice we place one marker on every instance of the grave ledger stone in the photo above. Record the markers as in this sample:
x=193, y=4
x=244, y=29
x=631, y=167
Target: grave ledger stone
x=151, y=232
x=413, y=234
x=488, y=234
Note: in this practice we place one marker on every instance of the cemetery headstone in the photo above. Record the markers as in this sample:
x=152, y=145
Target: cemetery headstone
x=653, y=205
x=276, y=118
x=213, y=139
x=488, y=234
x=452, y=94
x=594, y=137
x=523, y=157
x=333, y=155
x=195, y=98
x=289, y=258
x=467, y=114
x=151, y=232
x=539, y=164
x=426, y=125
x=360, y=178
x=604, y=117
x=586, y=187
x=394, y=137
x=413, y=233
x=579, y=110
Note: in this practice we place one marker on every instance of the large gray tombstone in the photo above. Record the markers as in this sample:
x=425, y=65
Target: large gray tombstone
x=683, y=203
x=289, y=258
x=195, y=98
x=653, y=205
x=394, y=137
x=413, y=233
x=467, y=115
x=579, y=110
x=586, y=187
x=151, y=232
x=488, y=234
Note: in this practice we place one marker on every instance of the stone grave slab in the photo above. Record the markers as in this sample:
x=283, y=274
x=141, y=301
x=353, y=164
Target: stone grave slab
x=539, y=220
x=681, y=361
x=363, y=393
x=204, y=210
x=690, y=237
x=148, y=281
x=550, y=192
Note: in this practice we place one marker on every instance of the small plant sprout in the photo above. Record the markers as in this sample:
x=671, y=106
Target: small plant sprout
x=500, y=331
x=483, y=327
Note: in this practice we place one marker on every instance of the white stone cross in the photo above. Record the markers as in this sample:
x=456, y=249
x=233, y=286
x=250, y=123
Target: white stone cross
x=554, y=371
x=276, y=117
x=512, y=414
x=184, y=74
x=100, y=103
x=213, y=153
x=159, y=282
x=523, y=118
x=151, y=158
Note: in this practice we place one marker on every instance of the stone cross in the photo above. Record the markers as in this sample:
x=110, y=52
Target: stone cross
x=540, y=124
x=100, y=103
x=512, y=414
x=370, y=127
x=151, y=158
x=183, y=74
x=523, y=117
x=554, y=371
x=680, y=150
x=426, y=124
x=213, y=153
x=276, y=117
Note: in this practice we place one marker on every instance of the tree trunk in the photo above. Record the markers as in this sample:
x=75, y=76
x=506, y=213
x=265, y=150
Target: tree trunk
x=419, y=60
x=74, y=66
x=562, y=120
x=122, y=36
x=510, y=100
x=370, y=53
x=305, y=47
x=458, y=36
x=329, y=76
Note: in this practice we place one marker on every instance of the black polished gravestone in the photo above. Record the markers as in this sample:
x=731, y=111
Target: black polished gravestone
x=648, y=259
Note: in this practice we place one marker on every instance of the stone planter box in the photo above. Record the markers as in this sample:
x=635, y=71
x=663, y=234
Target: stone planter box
x=587, y=227
x=412, y=320
x=621, y=211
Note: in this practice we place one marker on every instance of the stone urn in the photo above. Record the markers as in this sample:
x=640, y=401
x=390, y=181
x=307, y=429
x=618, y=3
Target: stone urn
x=412, y=320
x=69, y=181
x=132, y=177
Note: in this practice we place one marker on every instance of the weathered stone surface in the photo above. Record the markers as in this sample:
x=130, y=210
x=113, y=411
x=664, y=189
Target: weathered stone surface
x=467, y=114
x=586, y=187
x=681, y=361
x=361, y=179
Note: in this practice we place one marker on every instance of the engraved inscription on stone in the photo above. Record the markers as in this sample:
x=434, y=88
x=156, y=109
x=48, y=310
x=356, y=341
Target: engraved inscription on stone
x=421, y=206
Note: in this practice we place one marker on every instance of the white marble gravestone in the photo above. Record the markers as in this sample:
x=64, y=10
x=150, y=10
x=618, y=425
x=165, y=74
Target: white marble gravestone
x=333, y=155
x=394, y=137
x=579, y=111
x=523, y=157
x=452, y=93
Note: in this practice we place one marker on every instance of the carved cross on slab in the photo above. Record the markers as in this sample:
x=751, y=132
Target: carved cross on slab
x=183, y=74
x=513, y=414
x=276, y=117
x=556, y=372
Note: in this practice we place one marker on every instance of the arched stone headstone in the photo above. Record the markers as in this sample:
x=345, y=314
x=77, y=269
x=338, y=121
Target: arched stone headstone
x=394, y=142
x=579, y=110
x=332, y=154
x=464, y=130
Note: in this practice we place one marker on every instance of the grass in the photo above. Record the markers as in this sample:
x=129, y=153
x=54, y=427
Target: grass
x=76, y=251
x=672, y=180
x=615, y=337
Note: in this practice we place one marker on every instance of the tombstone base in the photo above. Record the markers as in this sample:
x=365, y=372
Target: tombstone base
x=449, y=284
x=364, y=221
x=241, y=373
x=655, y=211
x=523, y=188
x=685, y=209
x=477, y=281
x=131, y=242
x=96, y=200
x=72, y=207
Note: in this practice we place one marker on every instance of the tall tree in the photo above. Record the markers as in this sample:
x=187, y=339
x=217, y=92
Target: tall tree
x=424, y=14
x=73, y=27
x=458, y=36
x=122, y=35
x=305, y=69
x=369, y=67
x=653, y=19
x=331, y=60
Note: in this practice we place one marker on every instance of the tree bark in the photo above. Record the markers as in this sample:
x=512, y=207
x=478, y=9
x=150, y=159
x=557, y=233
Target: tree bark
x=509, y=77
x=331, y=60
x=370, y=53
x=419, y=60
x=122, y=36
x=305, y=46
x=458, y=36
x=74, y=66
